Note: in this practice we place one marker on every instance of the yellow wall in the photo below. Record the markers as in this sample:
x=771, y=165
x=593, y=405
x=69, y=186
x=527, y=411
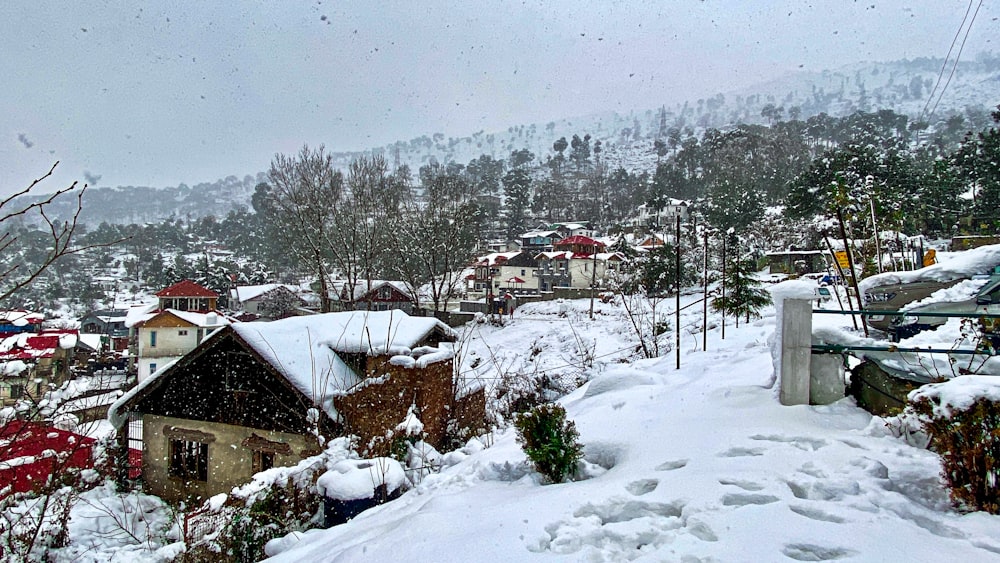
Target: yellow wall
x=229, y=462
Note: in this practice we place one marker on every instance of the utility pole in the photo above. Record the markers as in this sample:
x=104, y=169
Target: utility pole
x=593, y=281
x=704, y=298
x=724, y=286
x=677, y=307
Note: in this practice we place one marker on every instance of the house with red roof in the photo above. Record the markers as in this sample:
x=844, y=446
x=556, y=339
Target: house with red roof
x=505, y=271
x=162, y=332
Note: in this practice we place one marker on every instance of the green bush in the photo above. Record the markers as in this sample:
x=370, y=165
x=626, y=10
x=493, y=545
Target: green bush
x=549, y=440
x=968, y=441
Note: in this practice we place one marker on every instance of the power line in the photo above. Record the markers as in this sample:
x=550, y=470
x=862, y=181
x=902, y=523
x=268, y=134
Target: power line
x=957, y=56
x=944, y=63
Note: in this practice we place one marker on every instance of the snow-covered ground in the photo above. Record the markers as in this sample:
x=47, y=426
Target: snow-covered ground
x=699, y=463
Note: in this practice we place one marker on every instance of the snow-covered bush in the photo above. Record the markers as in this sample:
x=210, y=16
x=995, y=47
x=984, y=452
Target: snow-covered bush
x=549, y=441
x=277, y=501
x=962, y=418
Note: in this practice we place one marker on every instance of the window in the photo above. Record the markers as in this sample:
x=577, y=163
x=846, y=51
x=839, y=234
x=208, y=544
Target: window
x=152, y=369
x=384, y=292
x=152, y=339
x=182, y=333
x=189, y=460
x=262, y=461
x=522, y=271
x=16, y=391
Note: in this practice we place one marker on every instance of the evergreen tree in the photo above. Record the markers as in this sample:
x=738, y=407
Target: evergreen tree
x=745, y=295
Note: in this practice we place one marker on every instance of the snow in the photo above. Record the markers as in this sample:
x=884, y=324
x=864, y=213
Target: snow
x=952, y=266
x=354, y=479
x=244, y=293
x=962, y=291
x=692, y=464
x=305, y=348
x=958, y=393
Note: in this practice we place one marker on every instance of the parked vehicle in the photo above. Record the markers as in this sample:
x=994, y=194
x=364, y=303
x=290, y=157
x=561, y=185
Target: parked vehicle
x=892, y=291
x=894, y=296
x=986, y=302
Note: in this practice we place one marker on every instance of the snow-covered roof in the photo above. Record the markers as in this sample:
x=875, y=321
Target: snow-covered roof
x=953, y=266
x=20, y=317
x=532, y=234
x=246, y=293
x=211, y=319
x=567, y=255
x=32, y=346
x=140, y=313
x=361, y=287
x=496, y=258
x=304, y=350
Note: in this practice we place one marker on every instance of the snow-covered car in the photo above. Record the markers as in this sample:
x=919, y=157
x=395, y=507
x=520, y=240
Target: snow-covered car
x=985, y=302
x=893, y=291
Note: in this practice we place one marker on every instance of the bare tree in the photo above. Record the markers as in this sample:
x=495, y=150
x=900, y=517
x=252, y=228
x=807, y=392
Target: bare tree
x=437, y=237
x=305, y=192
x=363, y=225
x=25, y=206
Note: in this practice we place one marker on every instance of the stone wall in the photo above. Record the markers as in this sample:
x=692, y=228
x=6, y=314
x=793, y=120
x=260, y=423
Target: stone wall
x=378, y=405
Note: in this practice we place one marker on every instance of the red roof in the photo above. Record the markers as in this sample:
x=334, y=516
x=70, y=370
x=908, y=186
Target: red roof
x=186, y=288
x=34, y=451
x=579, y=239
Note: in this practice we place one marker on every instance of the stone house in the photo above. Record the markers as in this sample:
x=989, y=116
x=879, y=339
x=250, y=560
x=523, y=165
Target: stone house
x=258, y=395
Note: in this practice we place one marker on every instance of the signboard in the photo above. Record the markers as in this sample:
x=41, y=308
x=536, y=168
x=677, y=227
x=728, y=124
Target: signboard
x=930, y=257
x=841, y=256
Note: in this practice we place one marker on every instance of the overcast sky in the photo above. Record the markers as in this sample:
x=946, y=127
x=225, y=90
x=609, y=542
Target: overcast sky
x=161, y=93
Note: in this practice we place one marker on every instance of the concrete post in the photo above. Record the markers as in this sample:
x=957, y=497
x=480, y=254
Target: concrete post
x=826, y=379
x=796, y=350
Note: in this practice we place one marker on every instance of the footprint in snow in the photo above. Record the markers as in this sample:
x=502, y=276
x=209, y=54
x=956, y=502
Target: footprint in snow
x=745, y=485
x=812, y=552
x=642, y=486
x=742, y=452
x=672, y=465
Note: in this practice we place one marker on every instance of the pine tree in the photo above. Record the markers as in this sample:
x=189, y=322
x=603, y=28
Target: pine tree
x=744, y=295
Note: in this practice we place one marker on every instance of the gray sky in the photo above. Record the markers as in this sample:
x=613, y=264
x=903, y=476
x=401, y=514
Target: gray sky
x=159, y=93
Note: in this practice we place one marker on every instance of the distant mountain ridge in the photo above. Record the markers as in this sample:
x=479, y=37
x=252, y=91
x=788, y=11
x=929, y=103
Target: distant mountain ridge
x=627, y=139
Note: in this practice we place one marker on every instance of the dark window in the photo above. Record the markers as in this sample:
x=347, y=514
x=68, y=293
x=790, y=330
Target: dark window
x=182, y=333
x=189, y=460
x=16, y=391
x=152, y=339
x=262, y=461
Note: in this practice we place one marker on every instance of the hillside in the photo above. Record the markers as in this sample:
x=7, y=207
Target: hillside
x=696, y=464
x=627, y=138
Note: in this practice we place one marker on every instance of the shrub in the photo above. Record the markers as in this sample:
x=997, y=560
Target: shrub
x=549, y=441
x=967, y=437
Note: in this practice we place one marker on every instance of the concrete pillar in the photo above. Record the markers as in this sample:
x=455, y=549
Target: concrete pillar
x=826, y=379
x=796, y=351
